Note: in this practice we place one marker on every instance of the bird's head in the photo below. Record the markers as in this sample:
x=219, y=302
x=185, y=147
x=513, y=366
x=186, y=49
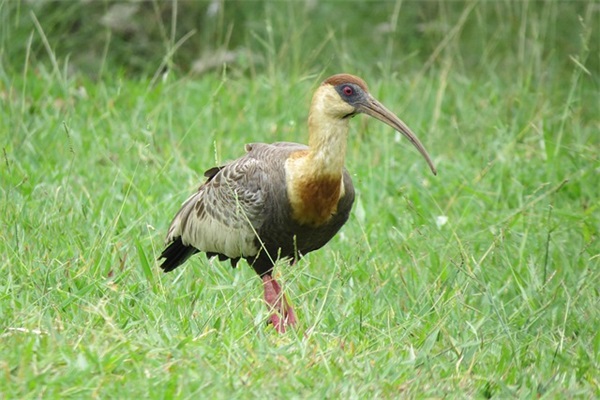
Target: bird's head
x=343, y=96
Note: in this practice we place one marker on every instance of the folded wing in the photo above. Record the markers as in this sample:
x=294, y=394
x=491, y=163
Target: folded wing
x=222, y=217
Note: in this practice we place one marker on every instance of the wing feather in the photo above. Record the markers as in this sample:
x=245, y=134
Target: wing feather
x=223, y=215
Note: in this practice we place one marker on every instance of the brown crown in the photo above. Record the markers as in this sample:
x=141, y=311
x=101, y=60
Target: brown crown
x=345, y=78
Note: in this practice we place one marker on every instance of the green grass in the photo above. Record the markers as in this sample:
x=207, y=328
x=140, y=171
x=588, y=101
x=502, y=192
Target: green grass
x=501, y=301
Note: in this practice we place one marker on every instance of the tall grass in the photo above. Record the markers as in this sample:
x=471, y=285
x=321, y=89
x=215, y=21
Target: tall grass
x=480, y=282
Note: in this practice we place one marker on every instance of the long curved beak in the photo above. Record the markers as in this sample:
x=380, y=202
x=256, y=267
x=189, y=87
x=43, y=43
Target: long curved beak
x=377, y=110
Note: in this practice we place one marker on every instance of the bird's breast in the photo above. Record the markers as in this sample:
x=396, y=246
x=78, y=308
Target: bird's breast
x=313, y=197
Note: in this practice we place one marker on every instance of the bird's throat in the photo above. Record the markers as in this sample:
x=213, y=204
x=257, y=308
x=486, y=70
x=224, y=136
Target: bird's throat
x=327, y=141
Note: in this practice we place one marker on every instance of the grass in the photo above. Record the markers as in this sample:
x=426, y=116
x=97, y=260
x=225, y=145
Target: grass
x=481, y=282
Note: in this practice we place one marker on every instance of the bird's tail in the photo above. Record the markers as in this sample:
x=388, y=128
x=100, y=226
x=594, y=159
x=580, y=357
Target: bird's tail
x=175, y=254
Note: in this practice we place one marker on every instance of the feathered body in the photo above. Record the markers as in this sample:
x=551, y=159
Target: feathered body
x=244, y=211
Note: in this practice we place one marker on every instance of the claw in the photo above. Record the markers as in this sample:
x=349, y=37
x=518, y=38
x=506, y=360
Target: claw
x=283, y=313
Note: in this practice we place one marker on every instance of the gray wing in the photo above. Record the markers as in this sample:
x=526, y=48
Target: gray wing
x=225, y=213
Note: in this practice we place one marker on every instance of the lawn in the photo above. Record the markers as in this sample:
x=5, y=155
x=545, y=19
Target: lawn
x=480, y=282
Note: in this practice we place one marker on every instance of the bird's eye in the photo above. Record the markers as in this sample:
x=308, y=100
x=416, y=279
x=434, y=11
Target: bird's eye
x=348, y=91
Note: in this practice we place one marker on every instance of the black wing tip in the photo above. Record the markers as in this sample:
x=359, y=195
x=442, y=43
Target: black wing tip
x=175, y=254
x=210, y=173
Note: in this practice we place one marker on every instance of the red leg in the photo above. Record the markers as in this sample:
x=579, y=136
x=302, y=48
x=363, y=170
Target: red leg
x=283, y=313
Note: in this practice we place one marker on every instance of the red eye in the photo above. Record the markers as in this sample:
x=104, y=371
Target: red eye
x=348, y=91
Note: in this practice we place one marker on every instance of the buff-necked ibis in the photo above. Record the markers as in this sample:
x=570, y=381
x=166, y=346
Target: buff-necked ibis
x=280, y=200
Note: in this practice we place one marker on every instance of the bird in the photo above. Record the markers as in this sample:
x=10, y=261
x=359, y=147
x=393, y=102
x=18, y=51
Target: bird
x=283, y=200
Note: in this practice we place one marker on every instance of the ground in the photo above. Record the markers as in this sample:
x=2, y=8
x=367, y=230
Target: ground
x=479, y=282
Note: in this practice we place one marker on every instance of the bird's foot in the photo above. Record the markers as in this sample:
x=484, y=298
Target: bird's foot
x=283, y=313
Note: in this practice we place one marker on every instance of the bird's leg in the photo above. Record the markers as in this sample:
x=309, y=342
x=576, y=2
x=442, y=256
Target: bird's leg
x=283, y=313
